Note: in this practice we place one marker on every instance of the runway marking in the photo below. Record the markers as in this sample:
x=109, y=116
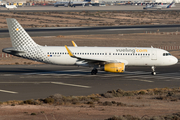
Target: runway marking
x=71, y=84
x=22, y=82
x=60, y=83
x=8, y=91
x=143, y=80
x=8, y=74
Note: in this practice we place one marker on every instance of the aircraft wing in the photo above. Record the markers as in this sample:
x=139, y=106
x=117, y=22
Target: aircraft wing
x=95, y=59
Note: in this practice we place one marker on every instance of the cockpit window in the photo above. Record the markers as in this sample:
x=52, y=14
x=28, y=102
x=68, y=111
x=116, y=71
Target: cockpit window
x=166, y=54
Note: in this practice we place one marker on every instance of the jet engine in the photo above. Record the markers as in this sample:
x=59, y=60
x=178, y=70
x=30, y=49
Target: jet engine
x=114, y=67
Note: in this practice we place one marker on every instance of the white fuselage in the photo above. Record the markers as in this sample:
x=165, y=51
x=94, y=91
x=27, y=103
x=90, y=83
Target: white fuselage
x=10, y=6
x=159, y=6
x=131, y=56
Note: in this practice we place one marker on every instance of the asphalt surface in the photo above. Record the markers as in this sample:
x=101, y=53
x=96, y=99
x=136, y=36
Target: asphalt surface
x=22, y=82
x=96, y=30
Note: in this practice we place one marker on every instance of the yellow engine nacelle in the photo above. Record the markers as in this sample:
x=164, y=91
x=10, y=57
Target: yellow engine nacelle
x=114, y=67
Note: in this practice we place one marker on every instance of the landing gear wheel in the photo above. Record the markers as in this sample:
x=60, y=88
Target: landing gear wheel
x=94, y=72
x=153, y=73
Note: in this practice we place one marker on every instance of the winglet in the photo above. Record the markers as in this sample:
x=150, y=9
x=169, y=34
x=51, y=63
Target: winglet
x=74, y=44
x=70, y=53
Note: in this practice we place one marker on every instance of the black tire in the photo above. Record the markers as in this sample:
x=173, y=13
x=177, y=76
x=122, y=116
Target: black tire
x=153, y=73
x=94, y=72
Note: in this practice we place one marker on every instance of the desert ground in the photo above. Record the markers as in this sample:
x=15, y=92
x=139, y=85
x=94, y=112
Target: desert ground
x=85, y=19
x=152, y=104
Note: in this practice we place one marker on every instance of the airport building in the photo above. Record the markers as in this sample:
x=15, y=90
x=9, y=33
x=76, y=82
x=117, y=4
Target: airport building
x=167, y=1
x=29, y=2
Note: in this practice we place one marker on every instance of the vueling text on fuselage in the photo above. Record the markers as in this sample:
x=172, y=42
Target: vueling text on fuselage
x=131, y=50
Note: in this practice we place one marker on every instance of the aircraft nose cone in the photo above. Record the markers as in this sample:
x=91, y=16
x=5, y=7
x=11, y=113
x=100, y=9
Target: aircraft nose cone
x=174, y=60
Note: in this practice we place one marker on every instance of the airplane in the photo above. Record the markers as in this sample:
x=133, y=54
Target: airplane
x=10, y=6
x=159, y=7
x=74, y=4
x=57, y=4
x=70, y=4
x=109, y=59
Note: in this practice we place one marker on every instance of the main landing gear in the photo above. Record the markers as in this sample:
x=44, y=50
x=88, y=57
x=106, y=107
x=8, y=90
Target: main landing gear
x=94, y=71
x=153, y=70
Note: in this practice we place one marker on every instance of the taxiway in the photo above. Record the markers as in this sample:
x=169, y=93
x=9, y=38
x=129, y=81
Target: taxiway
x=22, y=82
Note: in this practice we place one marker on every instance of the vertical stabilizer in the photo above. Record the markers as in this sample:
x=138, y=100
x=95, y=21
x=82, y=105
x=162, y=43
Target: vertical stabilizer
x=19, y=37
x=171, y=4
x=23, y=45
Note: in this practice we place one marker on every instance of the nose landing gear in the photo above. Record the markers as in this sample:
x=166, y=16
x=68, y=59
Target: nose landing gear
x=153, y=70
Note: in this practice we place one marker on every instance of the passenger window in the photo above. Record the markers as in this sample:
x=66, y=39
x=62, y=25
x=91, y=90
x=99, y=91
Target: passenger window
x=105, y=53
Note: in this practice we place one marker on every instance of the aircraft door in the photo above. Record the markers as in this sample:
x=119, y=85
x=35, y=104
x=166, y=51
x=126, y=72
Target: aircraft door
x=153, y=55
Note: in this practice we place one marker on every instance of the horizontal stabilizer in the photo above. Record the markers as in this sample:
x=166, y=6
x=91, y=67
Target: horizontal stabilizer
x=13, y=51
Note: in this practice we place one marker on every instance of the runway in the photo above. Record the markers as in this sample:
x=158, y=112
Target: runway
x=22, y=82
x=96, y=30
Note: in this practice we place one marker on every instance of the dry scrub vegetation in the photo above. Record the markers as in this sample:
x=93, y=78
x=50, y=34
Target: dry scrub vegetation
x=101, y=18
x=151, y=104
